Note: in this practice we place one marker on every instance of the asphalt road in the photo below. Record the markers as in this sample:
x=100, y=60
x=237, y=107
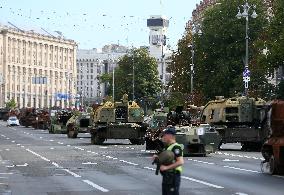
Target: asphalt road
x=33, y=162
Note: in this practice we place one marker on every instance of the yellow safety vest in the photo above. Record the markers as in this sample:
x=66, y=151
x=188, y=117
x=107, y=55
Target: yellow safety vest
x=179, y=168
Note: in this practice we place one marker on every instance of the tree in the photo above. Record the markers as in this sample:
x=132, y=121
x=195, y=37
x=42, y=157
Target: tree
x=147, y=84
x=220, y=51
x=11, y=104
x=275, y=41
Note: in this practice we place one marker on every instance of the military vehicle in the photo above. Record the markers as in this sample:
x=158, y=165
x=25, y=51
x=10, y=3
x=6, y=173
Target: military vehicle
x=201, y=139
x=58, y=121
x=119, y=120
x=26, y=116
x=78, y=123
x=41, y=120
x=156, y=123
x=4, y=113
x=238, y=119
x=197, y=139
x=273, y=149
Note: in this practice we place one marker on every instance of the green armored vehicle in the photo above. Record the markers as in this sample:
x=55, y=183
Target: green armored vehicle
x=78, y=123
x=119, y=120
x=198, y=140
x=238, y=119
x=58, y=120
x=157, y=122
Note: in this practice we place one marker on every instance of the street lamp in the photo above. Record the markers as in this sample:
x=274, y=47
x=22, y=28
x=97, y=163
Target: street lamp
x=194, y=29
x=245, y=14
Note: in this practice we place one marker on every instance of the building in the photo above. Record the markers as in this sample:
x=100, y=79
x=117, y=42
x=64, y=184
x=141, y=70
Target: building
x=91, y=64
x=158, y=49
x=37, y=70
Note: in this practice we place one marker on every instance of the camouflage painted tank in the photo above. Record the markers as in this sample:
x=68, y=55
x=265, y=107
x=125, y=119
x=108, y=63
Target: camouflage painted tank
x=119, y=120
x=78, y=123
x=58, y=120
x=238, y=119
x=26, y=116
x=41, y=120
x=198, y=140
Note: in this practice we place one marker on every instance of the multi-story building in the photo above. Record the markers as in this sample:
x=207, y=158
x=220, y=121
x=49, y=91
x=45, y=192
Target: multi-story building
x=37, y=70
x=91, y=64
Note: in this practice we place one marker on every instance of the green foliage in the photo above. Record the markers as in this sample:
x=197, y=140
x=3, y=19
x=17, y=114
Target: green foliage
x=11, y=104
x=280, y=91
x=220, y=51
x=146, y=82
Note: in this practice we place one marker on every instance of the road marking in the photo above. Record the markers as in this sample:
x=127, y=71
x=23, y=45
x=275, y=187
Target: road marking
x=72, y=173
x=6, y=173
x=240, y=193
x=22, y=146
x=7, y=149
x=103, y=147
x=51, y=140
x=204, y=162
x=68, y=145
x=131, y=163
x=24, y=165
x=89, y=163
x=52, y=148
x=94, y=153
x=13, y=141
x=79, y=148
x=18, y=144
x=43, y=158
x=96, y=186
x=229, y=160
x=3, y=184
x=10, y=166
x=240, y=169
x=3, y=177
x=40, y=137
x=149, y=168
x=7, y=138
x=89, y=151
x=55, y=164
x=202, y=182
x=59, y=142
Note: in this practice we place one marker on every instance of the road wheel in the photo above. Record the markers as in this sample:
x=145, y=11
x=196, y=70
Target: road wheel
x=272, y=165
x=96, y=140
x=72, y=134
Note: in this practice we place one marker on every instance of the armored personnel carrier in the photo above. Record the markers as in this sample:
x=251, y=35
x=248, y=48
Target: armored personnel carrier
x=157, y=122
x=198, y=140
x=119, y=120
x=273, y=149
x=27, y=116
x=238, y=119
x=58, y=121
x=78, y=123
x=41, y=120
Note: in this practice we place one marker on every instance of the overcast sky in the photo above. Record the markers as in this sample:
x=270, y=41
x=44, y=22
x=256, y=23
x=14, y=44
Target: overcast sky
x=94, y=23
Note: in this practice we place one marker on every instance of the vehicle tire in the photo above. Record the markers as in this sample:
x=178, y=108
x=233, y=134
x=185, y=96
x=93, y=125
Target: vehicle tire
x=72, y=134
x=272, y=165
x=96, y=140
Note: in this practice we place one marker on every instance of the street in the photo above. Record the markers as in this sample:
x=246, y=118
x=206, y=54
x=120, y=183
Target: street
x=34, y=162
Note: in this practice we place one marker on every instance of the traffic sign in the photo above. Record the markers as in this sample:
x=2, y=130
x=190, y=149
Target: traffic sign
x=246, y=72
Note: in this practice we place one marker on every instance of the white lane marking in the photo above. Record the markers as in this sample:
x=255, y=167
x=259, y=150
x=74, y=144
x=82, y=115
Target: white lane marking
x=7, y=149
x=18, y=144
x=13, y=141
x=202, y=182
x=230, y=160
x=204, y=162
x=95, y=186
x=103, y=147
x=3, y=177
x=79, y=148
x=86, y=133
x=89, y=151
x=60, y=143
x=68, y=145
x=7, y=138
x=94, y=153
x=240, y=169
x=22, y=146
x=51, y=140
x=6, y=173
x=3, y=184
x=43, y=158
x=40, y=137
x=131, y=163
x=55, y=164
x=240, y=193
x=143, y=150
x=72, y=173
x=10, y=166
x=52, y=148
x=114, y=158
x=24, y=165
x=150, y=168
x=89, y=163
x=81, y=138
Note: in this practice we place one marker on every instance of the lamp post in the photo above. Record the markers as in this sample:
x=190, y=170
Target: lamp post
x=133, y=82
x=245, y=14
x=194, y=29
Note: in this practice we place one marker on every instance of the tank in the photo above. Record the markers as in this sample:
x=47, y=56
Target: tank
x=238, y=119
x=78, y=123
x=58, y=121
x=156, y=123
x=273, y=149
x=41, y=120
x=4, y=113
x=119, y=120
x=27, y=116
x=200, y=140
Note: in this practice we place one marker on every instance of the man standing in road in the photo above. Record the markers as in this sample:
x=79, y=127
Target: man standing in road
x=172, y=173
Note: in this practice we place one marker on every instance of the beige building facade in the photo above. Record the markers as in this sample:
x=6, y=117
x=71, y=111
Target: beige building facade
x=36, y=70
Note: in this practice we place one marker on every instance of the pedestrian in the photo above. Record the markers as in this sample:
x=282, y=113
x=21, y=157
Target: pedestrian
x=171, y=173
